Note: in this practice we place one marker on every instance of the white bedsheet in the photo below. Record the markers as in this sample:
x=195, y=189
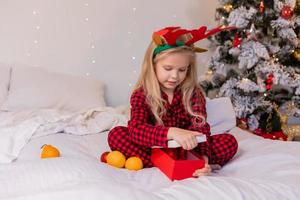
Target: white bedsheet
x=262, y=169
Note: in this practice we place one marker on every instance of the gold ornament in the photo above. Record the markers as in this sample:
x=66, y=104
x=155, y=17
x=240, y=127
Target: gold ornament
x=297, y=7
x=228, y=7
x=297, y=54
x=291, y=130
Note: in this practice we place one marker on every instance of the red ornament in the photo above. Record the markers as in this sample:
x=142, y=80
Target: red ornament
x=287, y=12
x=103, y=156
x=269, y=82
x=237, y=41
x=262, y=7
x=269, y=87
x=270, y=76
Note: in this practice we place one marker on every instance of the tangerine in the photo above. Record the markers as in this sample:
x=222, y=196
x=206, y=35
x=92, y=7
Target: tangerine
x=49, y=151
x=134, y=163
x=116, y=159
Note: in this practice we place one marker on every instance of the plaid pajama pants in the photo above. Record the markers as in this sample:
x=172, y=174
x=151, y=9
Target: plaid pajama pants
x=222, y=147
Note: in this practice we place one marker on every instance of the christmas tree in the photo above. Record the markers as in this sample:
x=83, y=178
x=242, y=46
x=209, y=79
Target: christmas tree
x=257, y=64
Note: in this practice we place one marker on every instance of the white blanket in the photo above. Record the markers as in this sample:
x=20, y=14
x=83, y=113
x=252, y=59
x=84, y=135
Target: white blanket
x=17, y=128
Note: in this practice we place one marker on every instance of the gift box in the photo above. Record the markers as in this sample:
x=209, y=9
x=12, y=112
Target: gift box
x=177, y=163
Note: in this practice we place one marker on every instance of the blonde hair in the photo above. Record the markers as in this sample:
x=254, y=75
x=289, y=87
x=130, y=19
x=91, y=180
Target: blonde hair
x=149, y=82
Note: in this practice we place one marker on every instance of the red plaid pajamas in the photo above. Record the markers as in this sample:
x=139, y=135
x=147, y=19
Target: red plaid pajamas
x=142, y=132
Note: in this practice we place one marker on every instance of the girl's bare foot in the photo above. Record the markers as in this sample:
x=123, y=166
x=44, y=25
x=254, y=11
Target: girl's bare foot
x=207, y=169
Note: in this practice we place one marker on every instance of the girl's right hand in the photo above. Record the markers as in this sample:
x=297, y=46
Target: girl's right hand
x=186, y=138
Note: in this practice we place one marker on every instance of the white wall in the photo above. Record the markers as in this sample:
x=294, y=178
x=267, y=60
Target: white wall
x=99, y=38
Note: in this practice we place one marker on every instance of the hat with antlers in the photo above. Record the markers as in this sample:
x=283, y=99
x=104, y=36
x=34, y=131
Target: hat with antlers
x=168, y=37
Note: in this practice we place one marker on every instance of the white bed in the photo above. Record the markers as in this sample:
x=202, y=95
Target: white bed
x=262, y=169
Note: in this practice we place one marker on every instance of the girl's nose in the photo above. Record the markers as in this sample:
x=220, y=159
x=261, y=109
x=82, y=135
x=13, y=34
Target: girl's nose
x=174, y=74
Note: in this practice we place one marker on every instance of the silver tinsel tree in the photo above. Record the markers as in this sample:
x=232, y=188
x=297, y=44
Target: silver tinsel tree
x=257, y=64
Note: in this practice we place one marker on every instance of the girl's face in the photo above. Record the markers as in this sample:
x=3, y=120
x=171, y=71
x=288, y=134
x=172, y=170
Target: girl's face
x=171, y=70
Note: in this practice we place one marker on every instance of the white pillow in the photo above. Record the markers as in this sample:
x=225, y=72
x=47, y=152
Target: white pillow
x=220, y=115
x=37, y=88
x=4, y=81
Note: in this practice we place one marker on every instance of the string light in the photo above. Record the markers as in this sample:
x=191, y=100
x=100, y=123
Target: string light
x=209, y=72
x=130, y=43
x=245, y=80
x=90, y=34
x=35, y=42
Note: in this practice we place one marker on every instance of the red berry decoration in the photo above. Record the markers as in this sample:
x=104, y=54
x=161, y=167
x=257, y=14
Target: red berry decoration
x=287, y=12
x=269, y=82
x=269, y=87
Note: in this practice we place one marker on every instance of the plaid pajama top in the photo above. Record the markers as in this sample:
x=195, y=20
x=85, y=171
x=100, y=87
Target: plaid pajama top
x=143, y=129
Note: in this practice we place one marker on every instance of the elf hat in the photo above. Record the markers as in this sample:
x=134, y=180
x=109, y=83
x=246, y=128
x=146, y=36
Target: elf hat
x=168, y=37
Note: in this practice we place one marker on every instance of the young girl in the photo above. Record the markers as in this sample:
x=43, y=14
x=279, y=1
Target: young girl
x=168, y=103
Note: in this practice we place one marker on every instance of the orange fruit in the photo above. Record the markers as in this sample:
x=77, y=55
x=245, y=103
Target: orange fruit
x=116, y=159
x=134, y=163
x=49, y=151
